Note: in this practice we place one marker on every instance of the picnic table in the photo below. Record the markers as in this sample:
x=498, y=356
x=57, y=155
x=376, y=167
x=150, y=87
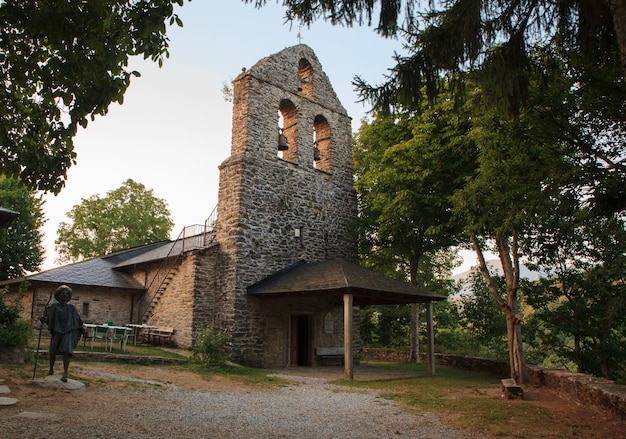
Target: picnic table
x=141, y=330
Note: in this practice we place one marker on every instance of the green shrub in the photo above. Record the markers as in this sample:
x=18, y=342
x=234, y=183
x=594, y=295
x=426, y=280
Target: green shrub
x=209, y=346
x=17, y=334
x=13, y=330
x=454, y=341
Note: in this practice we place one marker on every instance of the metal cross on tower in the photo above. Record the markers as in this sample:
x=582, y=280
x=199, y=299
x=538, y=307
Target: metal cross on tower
x=300, y=35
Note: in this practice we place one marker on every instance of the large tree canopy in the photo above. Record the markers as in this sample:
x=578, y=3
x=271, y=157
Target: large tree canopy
x=61, y=64
x=406, y=169
x=129, y=216
x=20, y=244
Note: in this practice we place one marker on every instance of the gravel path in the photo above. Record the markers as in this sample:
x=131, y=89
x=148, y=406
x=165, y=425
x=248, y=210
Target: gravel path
x=307, y=408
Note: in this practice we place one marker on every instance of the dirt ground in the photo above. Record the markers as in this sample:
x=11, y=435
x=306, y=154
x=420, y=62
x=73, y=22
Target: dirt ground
x=101, y=379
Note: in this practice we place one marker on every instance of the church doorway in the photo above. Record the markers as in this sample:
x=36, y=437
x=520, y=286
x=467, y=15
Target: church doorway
x=300, y=340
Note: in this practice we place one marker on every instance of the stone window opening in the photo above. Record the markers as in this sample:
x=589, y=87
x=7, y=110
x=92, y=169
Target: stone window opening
x=321, y=143
x=288, y=127
x=305, y=71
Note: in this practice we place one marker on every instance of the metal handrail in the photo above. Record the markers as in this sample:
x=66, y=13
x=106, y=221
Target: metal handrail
x=193, y=237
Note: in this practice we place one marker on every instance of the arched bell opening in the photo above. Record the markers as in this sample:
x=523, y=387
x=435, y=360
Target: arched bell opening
x=321, y=143
x=287, y=131
x=305, y=71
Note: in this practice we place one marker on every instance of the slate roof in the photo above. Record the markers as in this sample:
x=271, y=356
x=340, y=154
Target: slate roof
x=336, y=278
x=169, y=249
x=107, y=271
x=97, y=272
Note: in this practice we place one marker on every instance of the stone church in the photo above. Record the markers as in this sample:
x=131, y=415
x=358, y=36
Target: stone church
x=275, y=267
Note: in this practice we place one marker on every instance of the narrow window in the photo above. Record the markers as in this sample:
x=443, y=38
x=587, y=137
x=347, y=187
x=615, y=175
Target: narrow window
x=85, y=312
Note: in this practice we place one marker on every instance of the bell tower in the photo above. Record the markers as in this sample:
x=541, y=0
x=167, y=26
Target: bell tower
x=286, y=191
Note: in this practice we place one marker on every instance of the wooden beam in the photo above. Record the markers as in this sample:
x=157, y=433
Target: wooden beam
x=347, y=336
x=431, y=338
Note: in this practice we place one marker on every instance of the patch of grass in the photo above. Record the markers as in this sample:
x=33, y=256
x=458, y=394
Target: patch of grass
x=245, y=375
x=460, y=396
x=13, y=373
x=142, y=350
x=146, y=351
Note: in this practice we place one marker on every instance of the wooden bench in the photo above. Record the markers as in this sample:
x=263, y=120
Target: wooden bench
x=162, y=335
x=329, y=353
x=510, y=389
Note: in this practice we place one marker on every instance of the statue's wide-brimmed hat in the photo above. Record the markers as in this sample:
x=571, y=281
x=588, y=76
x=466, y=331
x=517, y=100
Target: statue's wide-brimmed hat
x=62, y=288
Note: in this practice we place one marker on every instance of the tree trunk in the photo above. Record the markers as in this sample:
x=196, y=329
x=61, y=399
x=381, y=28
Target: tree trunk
x=414, y=335
x=604, y=337
x=510, y=267
x=414, y=354
x=618, y=12
x=579, y=362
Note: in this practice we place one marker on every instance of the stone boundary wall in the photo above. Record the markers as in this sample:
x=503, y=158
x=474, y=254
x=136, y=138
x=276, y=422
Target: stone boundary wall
x=384, y=354
x=585, y=389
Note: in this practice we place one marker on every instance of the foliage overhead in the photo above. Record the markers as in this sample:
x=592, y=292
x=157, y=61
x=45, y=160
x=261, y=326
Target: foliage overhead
x=63, y=63
x=128, y=217
x=494, y=36
x=21, y=250
x=349, y=12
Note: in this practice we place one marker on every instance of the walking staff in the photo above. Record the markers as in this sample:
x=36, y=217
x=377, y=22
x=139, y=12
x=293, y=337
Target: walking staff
x=42, y=320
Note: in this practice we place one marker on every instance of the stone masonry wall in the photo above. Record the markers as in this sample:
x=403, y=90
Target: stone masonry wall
x=94, y=304
x=205, y=292
x=276, y=325
x=266, y=201
x=175, y=308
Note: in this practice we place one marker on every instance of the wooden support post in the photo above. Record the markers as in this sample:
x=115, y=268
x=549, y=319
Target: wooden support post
x=431, y=338
x=347, y=336
x=414, y=335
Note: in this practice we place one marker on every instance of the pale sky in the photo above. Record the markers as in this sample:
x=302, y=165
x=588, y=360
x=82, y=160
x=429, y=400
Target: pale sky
x=174, y=128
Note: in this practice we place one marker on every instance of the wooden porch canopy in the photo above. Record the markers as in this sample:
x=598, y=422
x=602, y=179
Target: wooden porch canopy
x=356, y=285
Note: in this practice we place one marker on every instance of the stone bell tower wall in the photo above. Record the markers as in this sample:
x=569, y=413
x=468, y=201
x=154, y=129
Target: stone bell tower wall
x=274, y=211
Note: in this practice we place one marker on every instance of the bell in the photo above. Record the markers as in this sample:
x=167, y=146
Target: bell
x=316, y=153
x=282, y=141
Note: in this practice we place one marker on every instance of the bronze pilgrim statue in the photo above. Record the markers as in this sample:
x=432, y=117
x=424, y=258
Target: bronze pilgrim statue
x=65, y=326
